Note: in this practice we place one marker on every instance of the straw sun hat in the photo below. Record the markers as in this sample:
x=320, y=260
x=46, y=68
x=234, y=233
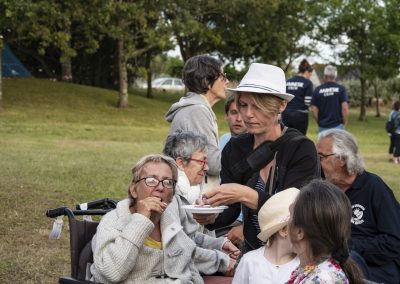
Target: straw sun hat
x=274, y=214
x=264, y=79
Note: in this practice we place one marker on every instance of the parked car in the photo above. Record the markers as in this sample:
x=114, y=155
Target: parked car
x=168, y=83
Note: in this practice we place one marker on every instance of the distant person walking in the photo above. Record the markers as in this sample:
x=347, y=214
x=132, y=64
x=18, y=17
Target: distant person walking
x=395, y=135
x=296, y=112
x=329, y=103
x=206, y=82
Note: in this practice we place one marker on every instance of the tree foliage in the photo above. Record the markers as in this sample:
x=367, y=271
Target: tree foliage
x=106, y=42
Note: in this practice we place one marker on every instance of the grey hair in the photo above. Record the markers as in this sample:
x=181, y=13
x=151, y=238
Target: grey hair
x=152, y=158
x=182, y=144
x=344, y=146
x=330, y=71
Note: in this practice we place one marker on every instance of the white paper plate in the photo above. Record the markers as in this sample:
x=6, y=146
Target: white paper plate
x=206, y=209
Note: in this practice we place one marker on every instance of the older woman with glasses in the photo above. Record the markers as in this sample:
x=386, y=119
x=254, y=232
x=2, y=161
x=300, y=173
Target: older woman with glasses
x=143, y=241
x=189, y=150
x=206, y=82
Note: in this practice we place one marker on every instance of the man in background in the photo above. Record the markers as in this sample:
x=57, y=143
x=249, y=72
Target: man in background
x=234, y=120
x=375, y=222
x=329, y=103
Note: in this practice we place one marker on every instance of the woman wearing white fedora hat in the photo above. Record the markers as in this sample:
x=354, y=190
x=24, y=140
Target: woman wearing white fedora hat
x=267, y=159
x=274, y=262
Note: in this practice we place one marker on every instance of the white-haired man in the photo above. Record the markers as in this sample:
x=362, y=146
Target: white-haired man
x=376, y=213
x=329, y=103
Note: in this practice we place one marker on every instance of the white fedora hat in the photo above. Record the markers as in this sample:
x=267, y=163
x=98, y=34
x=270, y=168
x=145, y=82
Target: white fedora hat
x=264, y=79
x=274, y=214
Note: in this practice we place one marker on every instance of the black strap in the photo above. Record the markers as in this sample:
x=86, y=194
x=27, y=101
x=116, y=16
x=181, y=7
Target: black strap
x=265, y=152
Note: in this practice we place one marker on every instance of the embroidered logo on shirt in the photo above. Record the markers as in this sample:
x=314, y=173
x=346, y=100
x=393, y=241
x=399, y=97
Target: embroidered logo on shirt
x=358, y=213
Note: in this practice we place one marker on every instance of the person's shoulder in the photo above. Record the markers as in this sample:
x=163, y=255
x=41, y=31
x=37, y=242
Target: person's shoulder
x=242, y=139
x=295, y=78
x=253, y=255
x=226, y=136
x=328, y=272
x=316, y=90
x=297, y=137
x=375, y=185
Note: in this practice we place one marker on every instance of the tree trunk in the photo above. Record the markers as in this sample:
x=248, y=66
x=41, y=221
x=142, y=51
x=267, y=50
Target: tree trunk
x=123, y=76
x=65, y=60
x=378, y=113
x=148, y=70
x=362, y=106
x=66, y=69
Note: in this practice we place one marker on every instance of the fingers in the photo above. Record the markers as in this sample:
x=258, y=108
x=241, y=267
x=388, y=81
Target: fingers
x=205, y=219
x=231, y=249
x=231, y=268
x=236, y=234
x=149, y=205
x=214, y=197
x=210, y=193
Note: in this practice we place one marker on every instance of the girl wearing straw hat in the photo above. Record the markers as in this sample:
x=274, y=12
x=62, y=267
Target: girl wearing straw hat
x=267, y=159
x=274, y=262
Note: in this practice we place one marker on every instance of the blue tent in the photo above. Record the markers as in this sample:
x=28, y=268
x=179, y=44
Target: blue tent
x=11, y=66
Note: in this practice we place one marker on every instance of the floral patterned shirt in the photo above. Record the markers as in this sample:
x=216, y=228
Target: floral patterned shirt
x=325, y=272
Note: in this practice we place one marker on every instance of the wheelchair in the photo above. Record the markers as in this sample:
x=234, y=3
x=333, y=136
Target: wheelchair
x=81, y=234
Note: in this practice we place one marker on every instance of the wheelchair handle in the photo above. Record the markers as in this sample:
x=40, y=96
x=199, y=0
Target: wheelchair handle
x=54, y=213
x=104, y=203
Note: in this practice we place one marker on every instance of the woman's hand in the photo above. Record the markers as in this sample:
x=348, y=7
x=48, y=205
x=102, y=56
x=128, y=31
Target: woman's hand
x=224, y=194
x=230, y=193
x=151, y=207
x=230, y=271
x=231, y=249
x=205, y=219
x=235, y=235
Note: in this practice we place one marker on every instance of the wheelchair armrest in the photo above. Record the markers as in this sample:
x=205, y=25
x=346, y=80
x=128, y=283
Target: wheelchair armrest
x=71, y=280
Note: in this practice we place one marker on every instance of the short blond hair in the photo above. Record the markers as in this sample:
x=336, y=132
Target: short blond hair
x=266, y=103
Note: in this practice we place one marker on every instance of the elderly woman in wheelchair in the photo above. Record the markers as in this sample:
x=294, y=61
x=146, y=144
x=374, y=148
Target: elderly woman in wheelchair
x=143, y=242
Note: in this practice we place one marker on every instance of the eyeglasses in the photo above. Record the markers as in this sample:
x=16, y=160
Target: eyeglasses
x=324, y=156
x=202, y=162
x=224, y=77
x=153, y=182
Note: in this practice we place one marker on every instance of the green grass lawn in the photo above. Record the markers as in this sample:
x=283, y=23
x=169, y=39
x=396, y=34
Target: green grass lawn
x=62, y=144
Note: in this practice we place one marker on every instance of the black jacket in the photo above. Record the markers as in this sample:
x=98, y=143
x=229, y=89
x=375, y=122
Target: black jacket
x=375, y=228
x=296, y=163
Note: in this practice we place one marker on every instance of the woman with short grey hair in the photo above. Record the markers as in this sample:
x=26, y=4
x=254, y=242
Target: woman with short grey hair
x=344, y=146
x=189, y=150
x=206, y=82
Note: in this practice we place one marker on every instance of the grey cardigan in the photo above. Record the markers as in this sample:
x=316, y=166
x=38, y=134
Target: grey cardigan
x=120, y=256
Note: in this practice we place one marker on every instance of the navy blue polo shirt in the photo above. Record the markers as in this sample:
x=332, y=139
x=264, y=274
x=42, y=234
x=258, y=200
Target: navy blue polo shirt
x=375, y=226
x=328, y=98
x=302, y=89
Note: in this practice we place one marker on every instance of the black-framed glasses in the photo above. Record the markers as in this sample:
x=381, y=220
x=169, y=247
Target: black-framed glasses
x=202, y=162
x=153, y=182
x=324, y=156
